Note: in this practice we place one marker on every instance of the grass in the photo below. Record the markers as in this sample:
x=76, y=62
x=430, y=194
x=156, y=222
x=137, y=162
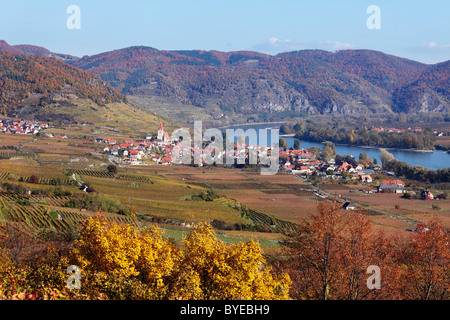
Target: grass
x=117, y=119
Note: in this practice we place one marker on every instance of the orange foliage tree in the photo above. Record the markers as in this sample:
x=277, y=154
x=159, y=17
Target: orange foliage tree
x=330, y=254
x=427, y=263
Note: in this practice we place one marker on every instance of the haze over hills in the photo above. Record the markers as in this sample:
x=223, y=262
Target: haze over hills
x=289, y=84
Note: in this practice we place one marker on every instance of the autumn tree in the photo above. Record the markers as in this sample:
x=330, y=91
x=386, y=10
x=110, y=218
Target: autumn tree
x=117, y=253
x=426, y=261
x=234, y=271
x=126, y=262
x=330, y=254
x=364, y=158
x=112, y=168
x=283, y=144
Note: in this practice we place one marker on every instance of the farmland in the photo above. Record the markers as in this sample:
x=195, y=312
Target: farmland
x=288, y=198
x=246, y=204
x=150, y=197
x=46, y=213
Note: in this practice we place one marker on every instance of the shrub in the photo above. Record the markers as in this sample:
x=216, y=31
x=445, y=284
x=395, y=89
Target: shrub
x=34, y=179
x=60, y=192
x=112, y=168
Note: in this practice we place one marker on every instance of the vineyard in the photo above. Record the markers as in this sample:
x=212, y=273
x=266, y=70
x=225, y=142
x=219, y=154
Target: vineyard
x=49, y=181
x=19, y=154
x=261, y=221
x=110, y=175
x=38, y=213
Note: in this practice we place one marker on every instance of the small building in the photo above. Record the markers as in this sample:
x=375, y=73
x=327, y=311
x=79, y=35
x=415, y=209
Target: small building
x=394, y=186
x=365, y=178
x=427, y=195
x=348, y=206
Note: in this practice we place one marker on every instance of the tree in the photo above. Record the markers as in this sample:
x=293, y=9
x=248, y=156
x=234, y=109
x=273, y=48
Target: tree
x=328, y=151
x=386, y=157
x=286, y=129
x=122, y=262
x=296, y=144
x=329, y=256
x=34, y=179
x=112, y=168
x=283, y=144
x=235, y=271
x=364, y=158
x=427, y=259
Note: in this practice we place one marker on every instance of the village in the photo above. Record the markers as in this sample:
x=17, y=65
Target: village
x=159, y=149
x=20, y=126
x=299, y=162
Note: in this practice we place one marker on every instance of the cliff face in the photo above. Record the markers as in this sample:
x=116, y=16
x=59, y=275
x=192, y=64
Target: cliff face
x=430, y=92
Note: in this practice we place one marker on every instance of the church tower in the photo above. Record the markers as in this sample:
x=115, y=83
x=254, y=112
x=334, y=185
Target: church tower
x=160, y=131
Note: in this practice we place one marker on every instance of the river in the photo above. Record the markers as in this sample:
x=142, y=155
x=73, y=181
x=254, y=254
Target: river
x=431, y=160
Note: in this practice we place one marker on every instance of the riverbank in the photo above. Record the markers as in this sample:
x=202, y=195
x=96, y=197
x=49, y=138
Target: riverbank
x=430, y=159
x=270, y=125
x=366, y=147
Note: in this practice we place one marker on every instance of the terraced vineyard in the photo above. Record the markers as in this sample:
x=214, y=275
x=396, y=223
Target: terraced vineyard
x=42, y=180
x=96, y=174
x=9, y=155
x=260, y=220
x=47, y=212
x=134, y=178
x=110, y=175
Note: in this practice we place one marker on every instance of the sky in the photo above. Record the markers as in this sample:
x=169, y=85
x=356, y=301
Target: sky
x=418, y=30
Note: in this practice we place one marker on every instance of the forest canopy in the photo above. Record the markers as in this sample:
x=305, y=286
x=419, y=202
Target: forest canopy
x=362, y=136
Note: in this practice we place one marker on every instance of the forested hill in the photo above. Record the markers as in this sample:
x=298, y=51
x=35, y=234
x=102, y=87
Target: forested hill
x=308, y=81
x=24, y=77
x=28, y=49
x=430, y=91
x=246, y=82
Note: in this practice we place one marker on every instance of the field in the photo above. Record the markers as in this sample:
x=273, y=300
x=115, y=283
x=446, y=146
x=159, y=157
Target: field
x=292, y=199
x=152, y=197
x=277, y=195
x=246, y=204
x=413, y=209
x=46, y=213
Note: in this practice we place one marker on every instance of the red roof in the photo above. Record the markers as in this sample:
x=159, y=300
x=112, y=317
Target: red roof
x=393, y=182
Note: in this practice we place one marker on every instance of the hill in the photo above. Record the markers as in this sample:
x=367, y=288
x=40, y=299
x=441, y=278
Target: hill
x=265, y=87
x=382, y=70
x=308, y=81
x=46, y=89
x=28, y=49
x=25, y=78
x=429, y=92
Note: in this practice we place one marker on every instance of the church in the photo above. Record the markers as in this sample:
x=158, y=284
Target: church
x=163, y=137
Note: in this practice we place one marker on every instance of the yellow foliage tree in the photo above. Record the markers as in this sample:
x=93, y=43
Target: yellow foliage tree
x=235, y=271
x=122, y=260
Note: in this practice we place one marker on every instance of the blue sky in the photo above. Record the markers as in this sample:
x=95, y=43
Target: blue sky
x=418, y=30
